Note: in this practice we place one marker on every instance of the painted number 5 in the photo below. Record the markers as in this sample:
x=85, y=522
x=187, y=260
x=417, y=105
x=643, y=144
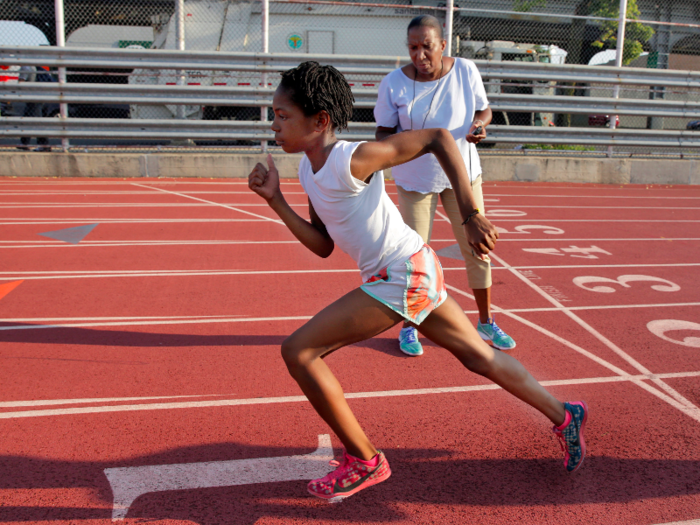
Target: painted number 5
x=581, y=282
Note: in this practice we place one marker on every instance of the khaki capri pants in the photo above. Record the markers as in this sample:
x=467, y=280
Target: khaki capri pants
x=418, y=211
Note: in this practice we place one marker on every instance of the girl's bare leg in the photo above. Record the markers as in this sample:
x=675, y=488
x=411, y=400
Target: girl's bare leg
x=352, y=318
x=449, y=327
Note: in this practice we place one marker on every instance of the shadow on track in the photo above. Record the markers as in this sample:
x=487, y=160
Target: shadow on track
x=111, y=338
x=421, y=477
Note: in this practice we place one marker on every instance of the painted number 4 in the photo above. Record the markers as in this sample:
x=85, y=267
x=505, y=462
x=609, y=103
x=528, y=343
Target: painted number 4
x=573, y=251
x=666, y=286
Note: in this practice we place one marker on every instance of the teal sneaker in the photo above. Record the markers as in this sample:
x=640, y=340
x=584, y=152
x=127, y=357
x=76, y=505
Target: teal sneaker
x=492, y=334
x=408, y=341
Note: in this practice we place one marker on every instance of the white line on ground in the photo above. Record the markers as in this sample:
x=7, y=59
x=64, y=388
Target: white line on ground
x=94, y=322
x=20, y=222
x=210, y=202
x=88, y=274
x=49, y=402
x=97, y=244
x=351, y=395
x=690, y=411
x=224, y=319
x=62, y=220
x=677, y=400
x=264, y=205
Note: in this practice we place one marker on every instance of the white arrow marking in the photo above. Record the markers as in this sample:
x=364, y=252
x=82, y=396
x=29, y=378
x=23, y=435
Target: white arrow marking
x=128, y=483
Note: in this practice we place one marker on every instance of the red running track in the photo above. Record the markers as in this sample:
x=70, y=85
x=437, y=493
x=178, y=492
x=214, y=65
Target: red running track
x=155, y=341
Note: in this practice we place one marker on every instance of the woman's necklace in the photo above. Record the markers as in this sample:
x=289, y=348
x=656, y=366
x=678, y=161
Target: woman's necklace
x=430, y=107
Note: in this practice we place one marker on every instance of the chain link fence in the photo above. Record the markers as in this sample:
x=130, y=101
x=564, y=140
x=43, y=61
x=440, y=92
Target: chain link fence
x=662, y=34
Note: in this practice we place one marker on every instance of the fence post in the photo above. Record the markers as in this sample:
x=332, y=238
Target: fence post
x=180, y=41
x=61, y=42
x=449, y=14
x=618, y=60
x=265, y=49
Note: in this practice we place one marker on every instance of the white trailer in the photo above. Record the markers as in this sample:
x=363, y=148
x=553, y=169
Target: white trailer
x=224, y=25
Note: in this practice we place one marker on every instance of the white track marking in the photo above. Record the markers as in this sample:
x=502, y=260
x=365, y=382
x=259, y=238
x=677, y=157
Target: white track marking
x=691, y=411
x=97, y=274
x=48, y=402
x=137, y=205
x=210, y=202
x=349, y=395
x=661, y=326
x=691, y=522
x=54, y=220
x=173, y=274
x=679, y=401
x=20, y=222
x=97, y=244
x=587, y=196
x=69, y=322
x=128, y=483
x=150, y=322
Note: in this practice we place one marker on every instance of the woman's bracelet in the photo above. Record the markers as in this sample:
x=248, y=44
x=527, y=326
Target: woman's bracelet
x=470, y=216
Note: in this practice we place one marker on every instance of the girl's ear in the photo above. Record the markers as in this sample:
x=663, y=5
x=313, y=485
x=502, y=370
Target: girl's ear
x=323, y=121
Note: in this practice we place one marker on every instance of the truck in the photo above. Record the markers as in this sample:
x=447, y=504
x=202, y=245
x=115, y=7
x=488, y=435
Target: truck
x=228, y=25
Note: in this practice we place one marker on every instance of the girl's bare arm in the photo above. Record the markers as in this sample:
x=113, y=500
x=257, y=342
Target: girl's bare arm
x=265, y=182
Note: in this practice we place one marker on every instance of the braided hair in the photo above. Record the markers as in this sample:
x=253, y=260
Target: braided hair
x=315, y=88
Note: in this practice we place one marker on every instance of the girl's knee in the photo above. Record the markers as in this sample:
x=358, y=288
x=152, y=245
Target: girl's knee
x=294, y=355
x=479, y=362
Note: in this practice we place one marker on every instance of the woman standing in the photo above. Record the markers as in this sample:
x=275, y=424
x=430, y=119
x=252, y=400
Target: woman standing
x=437, y=91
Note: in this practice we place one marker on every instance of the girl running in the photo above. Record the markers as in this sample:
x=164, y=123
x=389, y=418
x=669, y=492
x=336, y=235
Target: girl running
x=402, y=276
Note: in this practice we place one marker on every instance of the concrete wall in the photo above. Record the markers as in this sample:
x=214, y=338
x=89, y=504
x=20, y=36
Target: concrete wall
x=496, y=168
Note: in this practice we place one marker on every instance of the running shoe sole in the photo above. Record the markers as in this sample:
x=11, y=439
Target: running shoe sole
x=582, y=442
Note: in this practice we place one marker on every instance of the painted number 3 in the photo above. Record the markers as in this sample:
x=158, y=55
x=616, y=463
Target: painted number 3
x=581, y=282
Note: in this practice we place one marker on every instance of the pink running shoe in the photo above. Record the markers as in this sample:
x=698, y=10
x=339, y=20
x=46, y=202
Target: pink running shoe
x=351, y=476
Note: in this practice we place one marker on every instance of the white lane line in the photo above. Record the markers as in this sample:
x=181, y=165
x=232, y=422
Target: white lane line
x=83, y=401
x=113, y=244
x=8, y=221
x=178, y=274
x=24, y=222
x=301, y=399
x=263, y=205
x=520, y=196
x=94, y=322
x=691, y=522
x=132, y=205
x=101, y=274
x=210, y=202
x=117, y=244
x=223, y=319
x=679, y=401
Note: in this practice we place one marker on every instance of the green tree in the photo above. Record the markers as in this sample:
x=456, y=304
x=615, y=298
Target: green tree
x=636, y=34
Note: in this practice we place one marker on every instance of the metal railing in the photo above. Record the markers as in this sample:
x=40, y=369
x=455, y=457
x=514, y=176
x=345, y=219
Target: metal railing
x=258, y=63
x=347, y=64
x=364, y=98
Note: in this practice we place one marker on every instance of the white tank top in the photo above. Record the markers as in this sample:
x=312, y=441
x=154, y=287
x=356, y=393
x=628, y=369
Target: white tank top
x=360, y=217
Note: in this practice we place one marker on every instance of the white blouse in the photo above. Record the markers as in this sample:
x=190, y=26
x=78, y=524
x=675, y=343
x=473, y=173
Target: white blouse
x=448, y=103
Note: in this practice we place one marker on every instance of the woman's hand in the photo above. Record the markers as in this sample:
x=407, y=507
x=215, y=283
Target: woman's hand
x=475, y=139
x=481, y=234
x=265, y=182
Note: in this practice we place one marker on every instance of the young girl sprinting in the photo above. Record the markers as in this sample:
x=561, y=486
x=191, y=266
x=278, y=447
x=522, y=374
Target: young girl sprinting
x=402, y=276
